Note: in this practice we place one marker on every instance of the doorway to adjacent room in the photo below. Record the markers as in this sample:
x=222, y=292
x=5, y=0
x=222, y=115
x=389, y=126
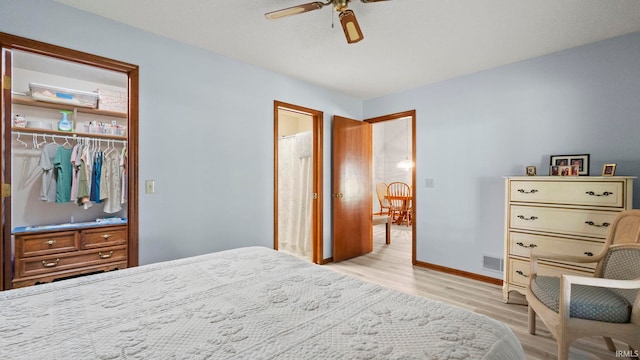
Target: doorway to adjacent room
x=298, y=181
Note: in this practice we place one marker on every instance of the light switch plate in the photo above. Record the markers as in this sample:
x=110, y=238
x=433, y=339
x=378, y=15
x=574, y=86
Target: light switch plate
x=150, y=186
x=428, y=183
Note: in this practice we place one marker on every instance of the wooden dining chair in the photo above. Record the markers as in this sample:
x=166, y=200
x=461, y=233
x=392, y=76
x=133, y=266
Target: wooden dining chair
x=381, y=191
x=399, y=195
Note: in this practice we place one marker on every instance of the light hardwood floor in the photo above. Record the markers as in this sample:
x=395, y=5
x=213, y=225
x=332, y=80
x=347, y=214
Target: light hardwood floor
x=390, y=266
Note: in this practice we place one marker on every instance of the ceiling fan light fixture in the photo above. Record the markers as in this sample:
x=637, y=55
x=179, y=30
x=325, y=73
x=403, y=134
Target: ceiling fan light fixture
x=350, y=26
x=405, y=164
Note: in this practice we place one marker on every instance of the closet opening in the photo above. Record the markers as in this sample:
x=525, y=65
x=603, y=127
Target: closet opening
x=298, y=181
x=69, y=163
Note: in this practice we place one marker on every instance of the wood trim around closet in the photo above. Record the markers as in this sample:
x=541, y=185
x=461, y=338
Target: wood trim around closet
x=13, y=42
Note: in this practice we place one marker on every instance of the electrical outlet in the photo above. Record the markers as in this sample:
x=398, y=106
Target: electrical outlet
x=428, y=183
x=150, y=186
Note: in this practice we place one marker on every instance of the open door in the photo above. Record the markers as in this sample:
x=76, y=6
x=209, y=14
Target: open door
x=352, y=201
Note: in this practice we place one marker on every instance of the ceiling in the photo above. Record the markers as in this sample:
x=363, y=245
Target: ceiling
x=407, y=43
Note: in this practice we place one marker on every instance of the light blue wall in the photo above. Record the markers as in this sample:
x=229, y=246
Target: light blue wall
x=474, y=130
x=206, y=125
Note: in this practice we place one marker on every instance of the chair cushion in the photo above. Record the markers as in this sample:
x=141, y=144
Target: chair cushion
x=587, y=302
x=623, y=264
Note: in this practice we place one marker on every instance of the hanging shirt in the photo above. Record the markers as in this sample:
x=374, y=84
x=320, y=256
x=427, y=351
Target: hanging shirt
x=75, y=165
x=95, y=178
x=105, y=177
x=113, y=203
x=62, y=164
x=123, y=175
x=47, y=157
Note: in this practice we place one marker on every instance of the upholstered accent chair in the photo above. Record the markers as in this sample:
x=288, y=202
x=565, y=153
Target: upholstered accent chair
x=607, y=304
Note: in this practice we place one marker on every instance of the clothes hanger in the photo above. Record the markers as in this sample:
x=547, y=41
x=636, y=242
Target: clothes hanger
x=21, y=142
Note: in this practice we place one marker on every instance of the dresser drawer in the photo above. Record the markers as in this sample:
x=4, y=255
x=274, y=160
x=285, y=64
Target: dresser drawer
x=521, y=244
x=591, y=223
x=43, y=265
x=519, y=272
x=586, y=193
x=47, y=243
x=101, y=237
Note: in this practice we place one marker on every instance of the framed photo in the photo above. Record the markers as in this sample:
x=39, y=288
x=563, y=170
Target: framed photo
x=554, y=170
x=581, y=161
x=531, y=171
x=608, y=169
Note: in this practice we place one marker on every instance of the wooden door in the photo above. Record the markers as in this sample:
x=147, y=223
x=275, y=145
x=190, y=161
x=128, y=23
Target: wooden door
x=5, y=171
x=351, y=194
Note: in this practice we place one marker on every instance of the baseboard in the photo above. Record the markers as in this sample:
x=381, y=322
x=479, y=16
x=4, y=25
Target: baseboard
x=457, y=272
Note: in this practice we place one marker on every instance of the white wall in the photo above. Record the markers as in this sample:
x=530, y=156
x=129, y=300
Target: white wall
x=474, y=130
x=206, y=125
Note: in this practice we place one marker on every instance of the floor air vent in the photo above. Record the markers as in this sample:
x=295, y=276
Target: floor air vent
x=492, y=263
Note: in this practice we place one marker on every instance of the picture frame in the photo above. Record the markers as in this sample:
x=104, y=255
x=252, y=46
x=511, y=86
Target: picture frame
x=608, y=169
x=530, y=170
x=581, y=160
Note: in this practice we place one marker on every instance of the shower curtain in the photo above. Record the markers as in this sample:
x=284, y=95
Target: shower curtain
x=295, y=193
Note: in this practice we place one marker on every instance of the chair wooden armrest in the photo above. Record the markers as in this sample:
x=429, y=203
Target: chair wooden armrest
x=600, y=282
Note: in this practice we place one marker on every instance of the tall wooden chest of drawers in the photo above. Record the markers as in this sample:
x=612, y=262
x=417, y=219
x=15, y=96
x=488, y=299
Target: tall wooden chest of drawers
x=562, y=215
x=43, y=256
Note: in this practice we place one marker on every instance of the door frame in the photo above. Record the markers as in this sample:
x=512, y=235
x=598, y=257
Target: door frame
x=317, y=243
x=13, y=42
x=396, y=116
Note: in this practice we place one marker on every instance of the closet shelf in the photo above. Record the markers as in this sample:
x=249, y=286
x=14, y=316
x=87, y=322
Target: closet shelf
x=43, y=104
x=64, y=133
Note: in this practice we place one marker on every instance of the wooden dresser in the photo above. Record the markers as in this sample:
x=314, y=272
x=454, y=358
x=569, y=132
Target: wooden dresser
x=561, y=215
x=45, y=256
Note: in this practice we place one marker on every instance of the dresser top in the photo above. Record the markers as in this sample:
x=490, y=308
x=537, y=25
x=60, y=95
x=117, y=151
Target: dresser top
x=570, y=178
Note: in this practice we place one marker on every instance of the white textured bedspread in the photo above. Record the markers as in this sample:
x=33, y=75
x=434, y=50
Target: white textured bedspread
x=249, y=303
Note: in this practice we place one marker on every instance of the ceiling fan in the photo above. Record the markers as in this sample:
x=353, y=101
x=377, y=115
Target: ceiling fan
x=347, y=17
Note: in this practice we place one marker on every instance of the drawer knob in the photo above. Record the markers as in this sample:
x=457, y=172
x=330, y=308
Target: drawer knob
x=591, y=223
x=530, y=246
x=50, y=242
x=519, y=272
x=527, y=218
x=105, y=256
x=606, y=193
x=523, y=191
x=51, y=264
x=106, y=236
x=588, y=253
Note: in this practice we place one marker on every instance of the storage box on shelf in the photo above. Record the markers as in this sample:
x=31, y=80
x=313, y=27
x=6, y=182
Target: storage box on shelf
x=112, y=100
x=43, y=256
x=560, y=215
x=61, y=95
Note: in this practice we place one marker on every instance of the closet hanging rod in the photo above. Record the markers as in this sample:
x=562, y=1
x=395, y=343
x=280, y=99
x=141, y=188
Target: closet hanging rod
x=68, y=137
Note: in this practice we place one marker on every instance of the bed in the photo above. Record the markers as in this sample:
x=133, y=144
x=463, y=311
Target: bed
x=247, y=303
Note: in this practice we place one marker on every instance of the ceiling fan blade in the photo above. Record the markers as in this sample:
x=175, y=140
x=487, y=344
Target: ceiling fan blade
x=370, y=1
x=350, y=26
x=294, y=10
